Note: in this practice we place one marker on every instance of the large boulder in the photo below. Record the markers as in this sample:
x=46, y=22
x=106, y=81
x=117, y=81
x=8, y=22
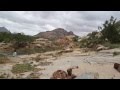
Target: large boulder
x=101, y=47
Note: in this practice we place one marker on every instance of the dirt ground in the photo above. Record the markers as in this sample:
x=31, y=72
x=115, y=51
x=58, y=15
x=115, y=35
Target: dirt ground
x=96, y=62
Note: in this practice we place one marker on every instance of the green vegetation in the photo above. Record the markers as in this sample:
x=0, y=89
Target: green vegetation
x=116, y=53
x=75, y=39
x=111, y=30
x=109, y=35
x=91, y=41
x=3, y=59
x=19, y=40
x=21, y=68
x=37, y=50
x=9, y=37
x=2, y=76
x=111, y=46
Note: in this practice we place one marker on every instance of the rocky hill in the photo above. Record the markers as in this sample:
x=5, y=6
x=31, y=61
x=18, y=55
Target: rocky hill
x=54, y=34
x=3, y=29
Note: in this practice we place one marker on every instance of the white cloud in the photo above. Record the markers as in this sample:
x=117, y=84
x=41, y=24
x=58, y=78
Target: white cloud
x=33, y=22
x=49, y=27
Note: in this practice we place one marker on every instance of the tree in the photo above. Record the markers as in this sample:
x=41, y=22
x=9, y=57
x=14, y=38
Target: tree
x=75, y=39
x=111, y=30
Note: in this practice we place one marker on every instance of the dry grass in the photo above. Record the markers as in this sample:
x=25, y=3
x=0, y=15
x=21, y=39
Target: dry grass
x=3, y=59
x=45, y=63
x=40, y=58
x=34, y=75
x=38, y=69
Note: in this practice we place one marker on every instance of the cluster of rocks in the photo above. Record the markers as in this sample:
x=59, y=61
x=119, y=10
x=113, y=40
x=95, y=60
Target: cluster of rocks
x=61, y=74
x=101, y=47
x=40, y=42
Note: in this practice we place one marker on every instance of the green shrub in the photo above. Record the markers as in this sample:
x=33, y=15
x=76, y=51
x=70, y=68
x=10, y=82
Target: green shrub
x=2, y=76
x=21, y=68
x=111, y=46
x=75, y=39
x=116, y=53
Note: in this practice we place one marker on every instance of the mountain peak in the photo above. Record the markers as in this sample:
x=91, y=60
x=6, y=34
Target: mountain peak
x=54, y=34
x=4, y=29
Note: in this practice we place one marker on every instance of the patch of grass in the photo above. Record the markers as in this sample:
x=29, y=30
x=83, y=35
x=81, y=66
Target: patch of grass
x=116, y=53
x=2, y=76
x=21, y=68
x=3, y=59
x=111, y=46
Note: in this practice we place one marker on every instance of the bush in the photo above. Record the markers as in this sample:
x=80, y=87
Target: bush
x=19, y=40
x=111, y=30
x=92, y=40
x=21, y=68
x=89, y=43
x=111, y=46
x=2, y=76
x=75, y=39
x=116, y=53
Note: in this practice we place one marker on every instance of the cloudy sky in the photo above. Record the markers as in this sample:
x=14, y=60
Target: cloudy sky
x=33, y=22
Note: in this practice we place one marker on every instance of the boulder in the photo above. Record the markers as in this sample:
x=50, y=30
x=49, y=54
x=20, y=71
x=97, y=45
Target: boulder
x=117, y=67
x=101, y=47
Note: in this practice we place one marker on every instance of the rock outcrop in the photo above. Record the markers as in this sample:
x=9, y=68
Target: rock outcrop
x=54, y=34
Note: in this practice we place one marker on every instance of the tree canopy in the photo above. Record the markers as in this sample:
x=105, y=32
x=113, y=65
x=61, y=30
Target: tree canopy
x=111, y=30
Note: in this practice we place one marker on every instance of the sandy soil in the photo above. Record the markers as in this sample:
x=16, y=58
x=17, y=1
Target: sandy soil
x=97, y=62
x=101, y=63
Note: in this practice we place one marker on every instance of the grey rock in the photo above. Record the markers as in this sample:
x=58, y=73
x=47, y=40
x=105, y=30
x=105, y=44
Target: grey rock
x=88, y=76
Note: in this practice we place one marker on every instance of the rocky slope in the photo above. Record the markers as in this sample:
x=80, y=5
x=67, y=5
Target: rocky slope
x=3, y=29
x=54, y=34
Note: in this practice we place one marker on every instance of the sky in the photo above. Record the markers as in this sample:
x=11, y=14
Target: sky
x=34, y=22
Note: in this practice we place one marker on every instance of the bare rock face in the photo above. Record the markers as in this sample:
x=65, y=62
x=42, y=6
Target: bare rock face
x=54, y=34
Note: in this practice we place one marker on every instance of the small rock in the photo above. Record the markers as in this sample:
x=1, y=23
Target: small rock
x=117, y=66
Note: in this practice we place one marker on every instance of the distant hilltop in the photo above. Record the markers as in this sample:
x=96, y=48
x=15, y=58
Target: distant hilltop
x=3, y=29
x=54, y=34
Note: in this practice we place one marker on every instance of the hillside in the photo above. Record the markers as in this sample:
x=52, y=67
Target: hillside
x=3, y=29
x=54, y=34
